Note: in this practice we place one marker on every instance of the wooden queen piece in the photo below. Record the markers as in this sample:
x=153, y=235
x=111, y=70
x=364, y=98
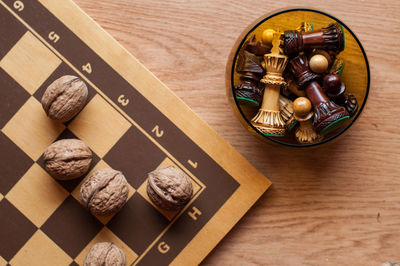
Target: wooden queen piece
x=268, y=119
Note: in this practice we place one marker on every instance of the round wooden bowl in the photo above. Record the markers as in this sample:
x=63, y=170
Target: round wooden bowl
x=355, y=75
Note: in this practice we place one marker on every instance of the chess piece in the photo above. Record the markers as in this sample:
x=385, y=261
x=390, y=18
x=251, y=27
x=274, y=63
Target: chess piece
x=268, y=36
x=305, y=133
x=269, y=120
x=319, y=63
x=328, y=116
x=286, y=109
x=336, y=90
x=337, y=66
x=328, y=38
x=169, y=188
x=248, y=92
x=305, y=27
x=255, y=47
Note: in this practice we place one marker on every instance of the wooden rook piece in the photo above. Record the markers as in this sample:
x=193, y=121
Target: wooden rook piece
x=248, y=92
x=286, y=109
x=269, y=120
x=336, y=90
x=305, y=133
x=328, y=116
x=328, y=38
x=255, y=47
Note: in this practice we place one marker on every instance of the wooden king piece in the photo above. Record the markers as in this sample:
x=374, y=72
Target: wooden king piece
x=268, y=119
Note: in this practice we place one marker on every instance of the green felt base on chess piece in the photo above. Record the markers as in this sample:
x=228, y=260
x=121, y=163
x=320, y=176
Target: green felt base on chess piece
x=292, y=126
x=274, y=135
x=332, y=126
x=247, y=102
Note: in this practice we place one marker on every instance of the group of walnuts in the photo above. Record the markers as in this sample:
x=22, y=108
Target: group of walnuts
x=105, y=191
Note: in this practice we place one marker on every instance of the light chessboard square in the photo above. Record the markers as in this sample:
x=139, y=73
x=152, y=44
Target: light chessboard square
x=76, y=192
x=1, y=197
x=37, y=195
x=31, y=129
x=3, y=262
x=106, y=235
x=40, y=250
x=29, y=62
x=142, y=190
x=99, y=125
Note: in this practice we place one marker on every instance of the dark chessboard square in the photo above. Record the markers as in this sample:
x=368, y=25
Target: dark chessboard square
x=11, y=30
x=135, y=155
x=74, y=264
x=13, y=164
x=72, y=227
x=12, y=95
x=70, y=185
x=15, y=230
x=62, y=70
x=138, y=224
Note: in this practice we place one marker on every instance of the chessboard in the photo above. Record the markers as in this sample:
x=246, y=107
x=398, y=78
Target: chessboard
x=131, y=122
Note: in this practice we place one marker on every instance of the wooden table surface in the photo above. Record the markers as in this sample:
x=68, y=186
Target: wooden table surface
x=335, y=205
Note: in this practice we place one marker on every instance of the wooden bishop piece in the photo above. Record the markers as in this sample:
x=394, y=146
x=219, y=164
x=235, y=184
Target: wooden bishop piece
x=268, y=119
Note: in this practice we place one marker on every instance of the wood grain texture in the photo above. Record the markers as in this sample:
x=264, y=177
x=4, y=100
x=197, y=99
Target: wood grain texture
x=335, y=205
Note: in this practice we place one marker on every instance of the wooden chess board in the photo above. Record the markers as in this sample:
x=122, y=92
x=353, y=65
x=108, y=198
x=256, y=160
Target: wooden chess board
x=131, y=122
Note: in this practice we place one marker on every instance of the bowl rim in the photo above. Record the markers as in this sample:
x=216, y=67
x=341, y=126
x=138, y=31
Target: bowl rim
x=229, y=79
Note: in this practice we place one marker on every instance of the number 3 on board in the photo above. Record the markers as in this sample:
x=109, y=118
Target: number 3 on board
x=18, y=5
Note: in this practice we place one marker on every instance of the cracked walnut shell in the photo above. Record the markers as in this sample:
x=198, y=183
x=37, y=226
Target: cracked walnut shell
x=67, y=159
x=105, y=254
x=65, y=98
x=104, y=192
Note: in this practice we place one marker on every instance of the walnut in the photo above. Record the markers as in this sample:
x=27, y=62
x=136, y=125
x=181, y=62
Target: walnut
x=67, y=159
x=169, y=188
x=105, y=192
x=65, y=98
x=105, y=254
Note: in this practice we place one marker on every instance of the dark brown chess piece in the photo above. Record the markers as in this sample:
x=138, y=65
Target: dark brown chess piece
x=328, y=116
x=328, y=38
x=248, y=91
x=255, y=47
x=336, y=90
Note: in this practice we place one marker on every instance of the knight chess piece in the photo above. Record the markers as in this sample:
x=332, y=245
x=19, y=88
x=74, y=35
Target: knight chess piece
x=269, y=120
x=328, y=116
x=286, y=109
x=328, y=38
x=248, y=91
x=336, y=90
x=305, y=133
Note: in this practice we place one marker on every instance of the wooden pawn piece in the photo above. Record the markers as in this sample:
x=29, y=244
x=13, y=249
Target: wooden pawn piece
x=305, y=133
x=269, y=120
